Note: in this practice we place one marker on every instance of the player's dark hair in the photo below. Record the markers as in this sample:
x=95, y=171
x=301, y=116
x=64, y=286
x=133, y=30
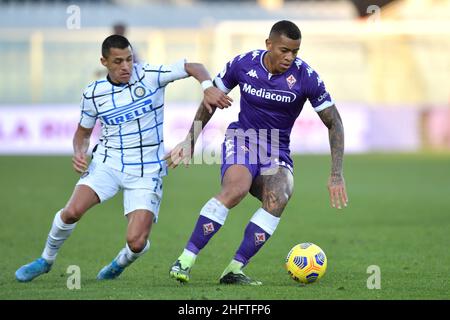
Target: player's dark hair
x=114, y=41
x=286, y=28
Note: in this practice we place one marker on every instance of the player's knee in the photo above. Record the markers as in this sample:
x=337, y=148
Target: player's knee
x=136, y=243
x=72, y=214
x=232, y=196
x=275, y=202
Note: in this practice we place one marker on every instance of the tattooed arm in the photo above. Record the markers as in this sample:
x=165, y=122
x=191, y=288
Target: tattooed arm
x=202, y=117
x=184, y=150
x=336, y=183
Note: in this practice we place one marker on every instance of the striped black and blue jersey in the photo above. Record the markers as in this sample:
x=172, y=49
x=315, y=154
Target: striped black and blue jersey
x=131, y=117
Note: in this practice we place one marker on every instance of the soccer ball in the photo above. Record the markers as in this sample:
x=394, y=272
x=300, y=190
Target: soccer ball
x=306, y=263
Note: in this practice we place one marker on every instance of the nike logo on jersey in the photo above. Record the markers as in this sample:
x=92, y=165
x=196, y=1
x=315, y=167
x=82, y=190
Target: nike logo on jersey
x=100, y=104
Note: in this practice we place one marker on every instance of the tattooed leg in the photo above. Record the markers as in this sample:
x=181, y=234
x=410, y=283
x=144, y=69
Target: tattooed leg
x=274, y=192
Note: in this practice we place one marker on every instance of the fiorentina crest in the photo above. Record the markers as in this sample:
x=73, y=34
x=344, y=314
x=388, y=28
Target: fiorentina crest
x=260, y=238
x=208, y=228
x=291, y=81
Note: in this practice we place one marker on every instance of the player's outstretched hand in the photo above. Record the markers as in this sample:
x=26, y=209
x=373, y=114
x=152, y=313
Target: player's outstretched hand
x=214, y=97
x=181, y=153
x=337, y=190
x=79, y=162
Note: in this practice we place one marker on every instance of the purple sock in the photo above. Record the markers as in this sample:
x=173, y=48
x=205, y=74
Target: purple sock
x=204, y=230
x=254, y=239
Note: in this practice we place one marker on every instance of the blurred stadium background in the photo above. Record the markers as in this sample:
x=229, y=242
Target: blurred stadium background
x=386, y=64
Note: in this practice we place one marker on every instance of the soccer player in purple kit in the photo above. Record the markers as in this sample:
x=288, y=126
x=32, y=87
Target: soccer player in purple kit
x=274, y=85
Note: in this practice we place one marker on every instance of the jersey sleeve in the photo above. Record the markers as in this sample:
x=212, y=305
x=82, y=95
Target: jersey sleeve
x=227, y=79
x=88, y=113
x=317, y=94
x=164, y=74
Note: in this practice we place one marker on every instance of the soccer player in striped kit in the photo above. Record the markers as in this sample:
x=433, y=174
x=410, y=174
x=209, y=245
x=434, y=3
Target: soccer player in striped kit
x=274, y=85
x=129, y=104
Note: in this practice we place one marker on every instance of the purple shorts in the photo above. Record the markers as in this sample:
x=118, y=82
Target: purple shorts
x=258, y=154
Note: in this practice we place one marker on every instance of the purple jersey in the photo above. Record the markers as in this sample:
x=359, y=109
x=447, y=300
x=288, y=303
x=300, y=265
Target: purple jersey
x=271, y=101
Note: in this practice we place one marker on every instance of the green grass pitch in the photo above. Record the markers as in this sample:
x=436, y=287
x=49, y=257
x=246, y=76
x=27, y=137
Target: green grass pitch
x=398, y=219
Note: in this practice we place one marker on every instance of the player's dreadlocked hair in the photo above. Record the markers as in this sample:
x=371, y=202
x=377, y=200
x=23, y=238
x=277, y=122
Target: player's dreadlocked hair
x=114, y=41
x=287, y=28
